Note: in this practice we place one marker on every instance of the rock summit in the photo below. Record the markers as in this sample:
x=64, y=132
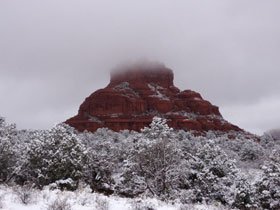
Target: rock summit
x=137, y=94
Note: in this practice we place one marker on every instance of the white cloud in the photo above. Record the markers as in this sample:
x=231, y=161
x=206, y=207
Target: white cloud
x=55, y=53
x=255, y=117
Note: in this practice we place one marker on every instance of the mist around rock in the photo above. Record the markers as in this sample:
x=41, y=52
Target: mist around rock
x=140, y=91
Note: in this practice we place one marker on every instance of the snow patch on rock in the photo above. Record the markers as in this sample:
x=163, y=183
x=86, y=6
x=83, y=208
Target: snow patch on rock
x=157, y=94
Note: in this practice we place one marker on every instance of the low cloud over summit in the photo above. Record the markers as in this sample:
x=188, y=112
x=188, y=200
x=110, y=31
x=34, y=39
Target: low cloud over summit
x=54, y=53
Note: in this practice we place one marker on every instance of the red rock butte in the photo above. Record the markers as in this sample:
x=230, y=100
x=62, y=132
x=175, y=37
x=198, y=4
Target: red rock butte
x=137, y=94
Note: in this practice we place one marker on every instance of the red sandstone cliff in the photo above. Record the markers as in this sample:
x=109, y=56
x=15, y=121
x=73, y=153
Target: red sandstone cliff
x=134, y=96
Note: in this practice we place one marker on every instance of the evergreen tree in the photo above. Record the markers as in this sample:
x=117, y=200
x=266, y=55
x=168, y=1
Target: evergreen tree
x=8, y=134
x=54, y=155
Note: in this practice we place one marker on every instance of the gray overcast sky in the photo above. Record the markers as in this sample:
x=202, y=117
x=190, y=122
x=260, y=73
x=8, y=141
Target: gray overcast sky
x=55, y=53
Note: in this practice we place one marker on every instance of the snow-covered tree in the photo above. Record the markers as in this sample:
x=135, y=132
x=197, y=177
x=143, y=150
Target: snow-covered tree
x=158, y=162
x=193, y=169
x=151, y=161
x=56, y=154
x=250, y=150
x=208, y=174
x=244, y=194
x=102, y=156
x=268, y=188
x=158, y=130
x=8, y=134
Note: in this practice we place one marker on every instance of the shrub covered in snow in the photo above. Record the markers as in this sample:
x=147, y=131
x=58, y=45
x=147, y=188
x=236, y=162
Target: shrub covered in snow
x=244, y=195
x=151, y=162
x=59, y=204
x=53, y=155
x=24, y=194
x=210, y=174
x=160, y=165
x=268, y=187
x=8, y=134
x=156, y=162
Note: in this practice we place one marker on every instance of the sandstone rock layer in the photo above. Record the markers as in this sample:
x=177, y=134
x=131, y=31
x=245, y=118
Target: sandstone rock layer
x=134, y=96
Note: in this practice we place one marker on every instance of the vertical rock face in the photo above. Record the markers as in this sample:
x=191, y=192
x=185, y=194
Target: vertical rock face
x=137, y=94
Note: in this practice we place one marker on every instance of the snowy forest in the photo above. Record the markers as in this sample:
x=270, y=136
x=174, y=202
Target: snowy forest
x=232, y=170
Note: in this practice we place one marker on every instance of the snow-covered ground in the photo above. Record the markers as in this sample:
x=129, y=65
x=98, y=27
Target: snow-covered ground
x=16, y=198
